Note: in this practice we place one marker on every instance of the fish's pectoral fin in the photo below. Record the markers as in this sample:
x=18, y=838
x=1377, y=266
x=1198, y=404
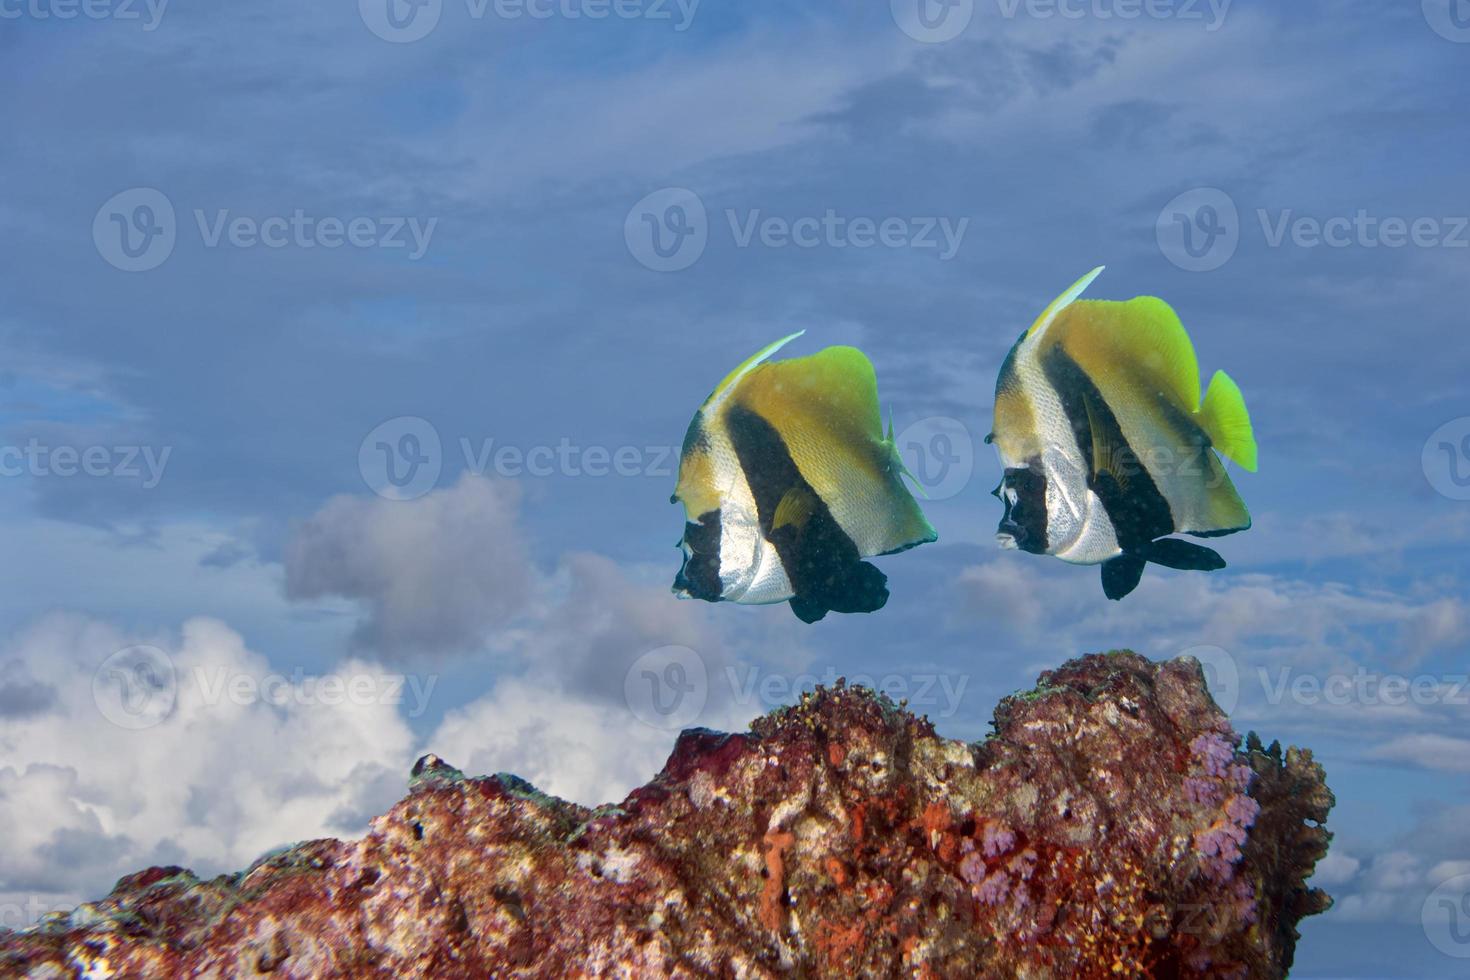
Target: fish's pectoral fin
x=1184, y=555
x=1107, y=454
x=795, y=509
x=1121, y=575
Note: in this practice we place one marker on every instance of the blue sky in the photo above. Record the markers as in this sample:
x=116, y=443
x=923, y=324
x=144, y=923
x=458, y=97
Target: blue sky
x=354, y=234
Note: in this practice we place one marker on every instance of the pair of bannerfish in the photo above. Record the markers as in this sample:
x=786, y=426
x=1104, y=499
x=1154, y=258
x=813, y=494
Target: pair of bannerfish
x=788, y=482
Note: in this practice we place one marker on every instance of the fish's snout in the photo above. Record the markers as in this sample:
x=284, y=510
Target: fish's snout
x=699, y=572
x=1010, y=534
x=1023, y=526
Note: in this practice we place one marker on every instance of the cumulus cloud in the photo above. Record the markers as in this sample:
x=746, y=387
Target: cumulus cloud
x=123, y=750
x=208, y=766
x=588, y=751
x=605, y=621
x=569, y=721
x=434, y=574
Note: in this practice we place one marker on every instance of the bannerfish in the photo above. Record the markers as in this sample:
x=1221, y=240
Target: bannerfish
x=1107, y=445
x=788, y=483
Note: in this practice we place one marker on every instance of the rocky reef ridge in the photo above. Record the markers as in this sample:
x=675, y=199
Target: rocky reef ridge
x=1113, y=825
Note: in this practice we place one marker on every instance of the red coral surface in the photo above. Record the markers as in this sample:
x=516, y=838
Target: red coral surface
x=1110, y=827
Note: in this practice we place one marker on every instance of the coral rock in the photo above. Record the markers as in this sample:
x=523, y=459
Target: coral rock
x=1111, y=826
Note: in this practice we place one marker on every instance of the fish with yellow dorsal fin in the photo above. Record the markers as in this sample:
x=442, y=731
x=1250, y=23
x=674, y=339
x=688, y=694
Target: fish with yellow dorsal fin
x=788, y=483
x=1108, y=445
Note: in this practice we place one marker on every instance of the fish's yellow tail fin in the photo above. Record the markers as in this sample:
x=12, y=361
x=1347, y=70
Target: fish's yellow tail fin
x=1224, y=418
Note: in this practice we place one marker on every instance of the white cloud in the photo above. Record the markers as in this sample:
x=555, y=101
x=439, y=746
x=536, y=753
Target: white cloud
x=435, y=573
x=217, y=781
x=1442, y=752
x=587, y=751
x=1336, y=868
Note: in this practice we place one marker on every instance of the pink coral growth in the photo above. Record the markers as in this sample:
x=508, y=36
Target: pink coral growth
x=1213, y=753
x=1204, y=792
x=972, y=868
x=998, y=839
x=1242, y=811
x=993, y=890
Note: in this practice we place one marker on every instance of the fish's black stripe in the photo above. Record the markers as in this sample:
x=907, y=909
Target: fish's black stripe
x=1007, y=376
x=694, y=437
x=821, y=560
x=1139, y=514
